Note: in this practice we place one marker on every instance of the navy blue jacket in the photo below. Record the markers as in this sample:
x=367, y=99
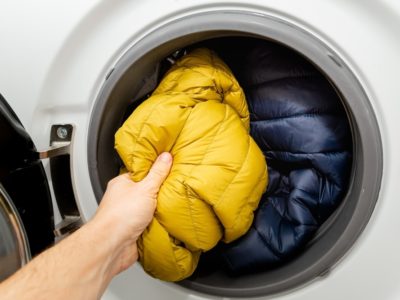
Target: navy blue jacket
x=298, y=121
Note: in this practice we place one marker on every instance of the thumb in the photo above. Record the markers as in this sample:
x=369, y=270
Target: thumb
x=159, y=171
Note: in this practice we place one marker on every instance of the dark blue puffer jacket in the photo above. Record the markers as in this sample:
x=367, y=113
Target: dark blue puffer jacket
x=298, y=121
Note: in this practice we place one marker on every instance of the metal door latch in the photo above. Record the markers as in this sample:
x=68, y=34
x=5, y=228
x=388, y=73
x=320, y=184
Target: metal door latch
x=58, y=153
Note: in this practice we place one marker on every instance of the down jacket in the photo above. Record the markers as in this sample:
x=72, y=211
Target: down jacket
x=199, y=114
x=299, y=123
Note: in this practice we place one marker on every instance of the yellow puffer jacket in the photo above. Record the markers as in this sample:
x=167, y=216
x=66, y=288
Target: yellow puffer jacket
x=199, y=114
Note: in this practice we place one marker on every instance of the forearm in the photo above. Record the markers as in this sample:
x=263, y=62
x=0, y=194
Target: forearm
x=79, y=267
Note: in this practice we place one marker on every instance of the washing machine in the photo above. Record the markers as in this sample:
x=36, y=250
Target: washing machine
x=70, y=69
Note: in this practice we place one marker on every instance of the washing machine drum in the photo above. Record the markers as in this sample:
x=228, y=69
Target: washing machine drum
x=311, y=117
x=298, y=121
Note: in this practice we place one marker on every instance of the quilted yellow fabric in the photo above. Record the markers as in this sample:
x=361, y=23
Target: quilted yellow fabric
x=199, y=114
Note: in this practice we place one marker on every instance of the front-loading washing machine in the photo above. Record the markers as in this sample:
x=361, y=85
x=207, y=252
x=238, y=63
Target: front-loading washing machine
x=70, y=71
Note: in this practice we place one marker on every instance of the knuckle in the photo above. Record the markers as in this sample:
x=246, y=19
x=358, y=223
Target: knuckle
x=147, y=185
x=157, y=174
x=111, y=183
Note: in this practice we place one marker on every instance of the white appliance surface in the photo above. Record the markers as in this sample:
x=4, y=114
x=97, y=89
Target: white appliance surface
x=55, y=56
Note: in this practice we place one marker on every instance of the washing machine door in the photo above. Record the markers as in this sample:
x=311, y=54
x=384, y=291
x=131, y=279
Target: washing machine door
x=14, y=246
x=26, y=212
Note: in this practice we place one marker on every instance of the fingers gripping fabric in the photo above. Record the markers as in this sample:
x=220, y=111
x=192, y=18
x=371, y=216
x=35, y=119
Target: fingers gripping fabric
x=199, y=114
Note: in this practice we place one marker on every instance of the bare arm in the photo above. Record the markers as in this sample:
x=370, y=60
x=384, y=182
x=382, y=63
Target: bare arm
x=82, y=265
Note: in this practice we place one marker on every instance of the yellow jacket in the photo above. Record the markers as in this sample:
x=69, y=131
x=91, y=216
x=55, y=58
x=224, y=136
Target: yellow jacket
x=199, y=114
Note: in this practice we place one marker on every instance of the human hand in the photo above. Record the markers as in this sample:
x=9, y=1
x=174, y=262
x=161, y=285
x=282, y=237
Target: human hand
x=82, y=265
x=128, y=207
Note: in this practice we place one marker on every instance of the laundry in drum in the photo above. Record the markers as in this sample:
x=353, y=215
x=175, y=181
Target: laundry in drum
x=199, y=113
x=299, y=122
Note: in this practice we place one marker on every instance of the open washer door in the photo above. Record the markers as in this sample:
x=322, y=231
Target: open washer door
x=14, y=247
x=26, y=212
